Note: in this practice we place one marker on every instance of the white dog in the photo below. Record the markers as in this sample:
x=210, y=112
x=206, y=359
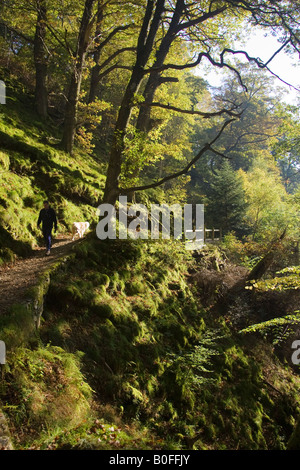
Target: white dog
x=79, y=228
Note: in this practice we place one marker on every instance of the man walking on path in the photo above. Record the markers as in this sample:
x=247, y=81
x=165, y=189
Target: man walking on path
x=48, y=219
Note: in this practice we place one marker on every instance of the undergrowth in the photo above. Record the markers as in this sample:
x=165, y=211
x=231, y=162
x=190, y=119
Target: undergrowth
x=172, y=376
x=129, y=354
x=32, y=169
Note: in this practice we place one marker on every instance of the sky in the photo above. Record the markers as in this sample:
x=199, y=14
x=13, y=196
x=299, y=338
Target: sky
x=287, y=67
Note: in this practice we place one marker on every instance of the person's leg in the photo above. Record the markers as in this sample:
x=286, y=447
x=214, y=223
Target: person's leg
x=48, y=240
x=45, y=237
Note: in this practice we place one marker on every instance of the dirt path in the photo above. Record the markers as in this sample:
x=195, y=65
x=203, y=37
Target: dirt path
x=16, y=279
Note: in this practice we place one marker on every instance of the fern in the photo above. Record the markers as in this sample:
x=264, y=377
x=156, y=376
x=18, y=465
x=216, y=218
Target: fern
x=194, y=365
x=264, y=327
x=286, y=279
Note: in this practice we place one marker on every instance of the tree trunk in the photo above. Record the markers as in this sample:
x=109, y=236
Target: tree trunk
x=96, y=69
x=114, y=168
x=143, y=121
x=144, y=48
x=76, y=77
x=94, y=83
x=71, y=112
x=154, y=80
x=41, y=61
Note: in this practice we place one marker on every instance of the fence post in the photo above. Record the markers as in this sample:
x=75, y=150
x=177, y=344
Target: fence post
x=2, y=92
x=2, y=352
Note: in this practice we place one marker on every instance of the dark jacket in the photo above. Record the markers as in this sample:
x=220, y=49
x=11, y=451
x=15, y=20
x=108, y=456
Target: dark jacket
x=48, y=219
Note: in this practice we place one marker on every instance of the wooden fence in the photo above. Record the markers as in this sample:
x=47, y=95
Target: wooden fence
x=212, y=235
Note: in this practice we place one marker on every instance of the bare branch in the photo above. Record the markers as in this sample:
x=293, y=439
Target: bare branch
x=278, y=51
x=115, y=54
x=102, y=44
x=222, y=64
x=185, y=170
x=258, y=62
x=197, y=62
x=205, y=115
x=111, y=68
x=220, y=154
x=62, y=43
x=201, y=19
x=18, y=33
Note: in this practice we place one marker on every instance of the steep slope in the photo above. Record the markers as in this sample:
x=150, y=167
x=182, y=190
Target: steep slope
x=129, y=358
x=130, y=353
x=32, y=168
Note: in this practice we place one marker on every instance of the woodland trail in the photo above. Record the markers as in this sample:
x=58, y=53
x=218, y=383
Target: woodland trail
x=17, y=278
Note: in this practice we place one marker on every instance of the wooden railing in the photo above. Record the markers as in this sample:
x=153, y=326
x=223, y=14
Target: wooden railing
x=212, y=234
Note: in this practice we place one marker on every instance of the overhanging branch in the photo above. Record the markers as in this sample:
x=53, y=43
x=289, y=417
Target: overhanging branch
x=259, y=62
x=111, y=68
x=168, y=80
x=201, y=19
x=205, y=115
x=220, y=154
x=222, y=64
x=115, y=54
x=102, y=44
x=205, y=148
x=278, y=51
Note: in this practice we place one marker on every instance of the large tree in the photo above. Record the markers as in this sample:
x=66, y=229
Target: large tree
x=41, y=59
x=78, y=59
x=170, y=36
x=26, y=23
x=162, y=24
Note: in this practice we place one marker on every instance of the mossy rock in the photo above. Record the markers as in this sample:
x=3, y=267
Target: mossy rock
x=103, y=310
x=104, y=280
x=181, y=294
x=174, y=286
x=3, y=203
x=16, y=327
x=82, y=251
x=125, y=274
x=159, y=279
x=135, y=288
x=13, y=195
x=7, y=256
x=57, y=396
x=29, y=201
x=6, y=217
x=77, y=174
x=4, y=160
x=79, y=292
x=99, y=279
